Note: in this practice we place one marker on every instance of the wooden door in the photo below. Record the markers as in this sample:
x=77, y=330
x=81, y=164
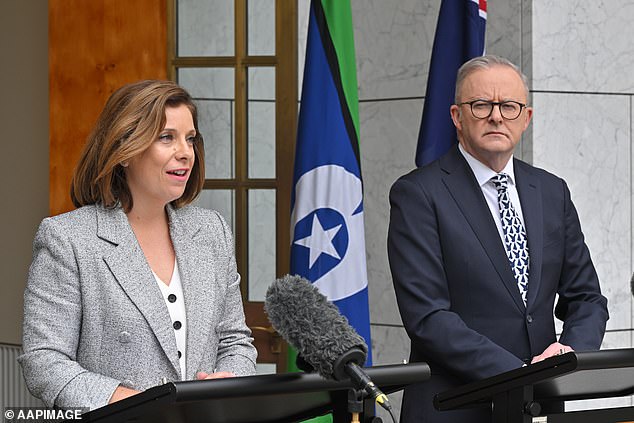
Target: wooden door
x=94, y=48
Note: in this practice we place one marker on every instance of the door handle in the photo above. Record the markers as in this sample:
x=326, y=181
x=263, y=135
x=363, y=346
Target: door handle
x=275, y=340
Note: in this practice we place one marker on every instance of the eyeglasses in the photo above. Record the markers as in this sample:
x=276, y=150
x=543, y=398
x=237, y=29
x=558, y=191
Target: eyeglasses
x=482, y=109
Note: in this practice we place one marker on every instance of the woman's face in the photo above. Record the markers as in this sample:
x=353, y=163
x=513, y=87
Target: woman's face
x=159, y=174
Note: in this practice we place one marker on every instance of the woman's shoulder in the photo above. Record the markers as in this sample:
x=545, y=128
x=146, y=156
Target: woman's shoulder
x=205, y=222
x=198, y=214
x=76, y=227
x=73, y=220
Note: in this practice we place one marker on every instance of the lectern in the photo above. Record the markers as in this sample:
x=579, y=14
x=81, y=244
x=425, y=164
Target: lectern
x=517, y=396
x=279, y=398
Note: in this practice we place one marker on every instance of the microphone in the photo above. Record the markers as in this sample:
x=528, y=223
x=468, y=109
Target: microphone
x=320, y=334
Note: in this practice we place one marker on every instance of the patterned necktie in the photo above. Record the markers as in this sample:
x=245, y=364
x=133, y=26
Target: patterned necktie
x=514, y=235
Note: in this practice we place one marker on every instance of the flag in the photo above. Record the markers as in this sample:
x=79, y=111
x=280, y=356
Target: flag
x=328, y=241
x=459, y=37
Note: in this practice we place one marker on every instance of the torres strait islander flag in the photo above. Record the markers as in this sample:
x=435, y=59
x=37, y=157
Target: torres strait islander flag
x=460, y=35
x=328, y=241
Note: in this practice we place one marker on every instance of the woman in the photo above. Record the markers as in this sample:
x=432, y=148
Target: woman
x=135, y=286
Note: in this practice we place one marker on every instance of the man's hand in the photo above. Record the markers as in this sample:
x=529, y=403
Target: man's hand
x=553, y=349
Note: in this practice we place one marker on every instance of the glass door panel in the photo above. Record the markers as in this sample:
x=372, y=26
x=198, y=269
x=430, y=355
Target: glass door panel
x=261, y=27
x=205, y=28
x=261, y=122
x=262, y=238
x=213, y=92
x=211, y=82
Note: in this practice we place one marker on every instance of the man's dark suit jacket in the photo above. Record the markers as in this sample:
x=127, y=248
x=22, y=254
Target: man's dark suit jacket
x=455, y=288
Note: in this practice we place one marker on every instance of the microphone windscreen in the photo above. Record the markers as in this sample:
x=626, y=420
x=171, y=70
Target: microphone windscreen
x=310, y=323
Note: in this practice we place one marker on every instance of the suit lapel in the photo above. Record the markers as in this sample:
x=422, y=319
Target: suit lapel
x=529, y=191
x=467, y=194
x=195, y=274
x=131, y=270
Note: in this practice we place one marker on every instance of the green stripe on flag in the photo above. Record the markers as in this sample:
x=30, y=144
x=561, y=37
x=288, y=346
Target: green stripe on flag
x=339, y=20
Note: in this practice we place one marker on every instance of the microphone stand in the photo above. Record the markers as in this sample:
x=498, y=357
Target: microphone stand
x=356, y=398
x=355, y=403
x=345, y=367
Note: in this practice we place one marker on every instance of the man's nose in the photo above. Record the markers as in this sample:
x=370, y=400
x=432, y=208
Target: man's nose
x=496, y=113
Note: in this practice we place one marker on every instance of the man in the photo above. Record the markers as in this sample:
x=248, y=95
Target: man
x=479, y=245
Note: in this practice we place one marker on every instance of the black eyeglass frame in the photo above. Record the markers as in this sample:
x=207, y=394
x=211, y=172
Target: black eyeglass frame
x=493, y=104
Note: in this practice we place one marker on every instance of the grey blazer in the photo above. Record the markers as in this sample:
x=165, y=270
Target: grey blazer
x=94, y=317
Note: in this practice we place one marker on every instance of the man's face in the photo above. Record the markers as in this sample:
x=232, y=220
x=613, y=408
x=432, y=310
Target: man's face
x=491, y=140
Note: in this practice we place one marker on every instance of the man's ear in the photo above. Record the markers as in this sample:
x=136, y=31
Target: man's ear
x=529, y=115
x=456, y=116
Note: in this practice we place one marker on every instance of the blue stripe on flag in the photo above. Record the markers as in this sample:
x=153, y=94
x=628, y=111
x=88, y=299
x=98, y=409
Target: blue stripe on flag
x=322, y=137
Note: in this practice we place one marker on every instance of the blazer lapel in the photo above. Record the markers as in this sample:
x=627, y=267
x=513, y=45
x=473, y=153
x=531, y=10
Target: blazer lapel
x=199, y=295
x=466, y=192
x=131, y=270
x=529, y=191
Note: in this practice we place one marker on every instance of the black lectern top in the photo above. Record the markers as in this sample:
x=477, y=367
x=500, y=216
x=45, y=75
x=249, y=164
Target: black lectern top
x=287, y=397
x=570, y=376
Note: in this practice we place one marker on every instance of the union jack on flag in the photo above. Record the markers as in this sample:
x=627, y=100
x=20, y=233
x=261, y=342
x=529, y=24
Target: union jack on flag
x=482, y=7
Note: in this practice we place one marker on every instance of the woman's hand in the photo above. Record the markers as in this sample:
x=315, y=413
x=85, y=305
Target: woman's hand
x=218, y=375
x=121, y=393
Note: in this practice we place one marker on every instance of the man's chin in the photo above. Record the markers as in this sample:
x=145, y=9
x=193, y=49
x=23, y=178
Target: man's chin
x=496, y=137
x=497, y=143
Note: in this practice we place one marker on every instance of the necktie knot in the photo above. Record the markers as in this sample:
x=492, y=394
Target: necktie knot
x=501, y=181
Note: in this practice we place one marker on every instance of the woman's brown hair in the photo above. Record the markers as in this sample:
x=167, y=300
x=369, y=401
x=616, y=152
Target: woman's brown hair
x=130, y=122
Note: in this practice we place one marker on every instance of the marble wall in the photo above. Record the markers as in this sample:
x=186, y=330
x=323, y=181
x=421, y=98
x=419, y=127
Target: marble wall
x=577, y=58
x=582, y=92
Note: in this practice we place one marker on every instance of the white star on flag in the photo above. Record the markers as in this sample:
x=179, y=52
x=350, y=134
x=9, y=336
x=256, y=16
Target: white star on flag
x=319, y=241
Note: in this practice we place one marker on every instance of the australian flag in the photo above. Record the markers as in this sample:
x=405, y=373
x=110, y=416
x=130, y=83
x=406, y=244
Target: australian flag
x=459, y=37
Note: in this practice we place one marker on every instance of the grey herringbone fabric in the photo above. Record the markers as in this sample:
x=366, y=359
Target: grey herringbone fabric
x=95, y=317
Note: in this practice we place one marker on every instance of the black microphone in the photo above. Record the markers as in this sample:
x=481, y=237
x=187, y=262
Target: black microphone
x=320, y=334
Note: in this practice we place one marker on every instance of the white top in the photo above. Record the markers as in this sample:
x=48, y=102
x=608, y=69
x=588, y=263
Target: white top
x=483, y=175
x=175, y=301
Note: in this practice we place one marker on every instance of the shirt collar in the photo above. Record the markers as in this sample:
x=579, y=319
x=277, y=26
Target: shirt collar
x=482, y=172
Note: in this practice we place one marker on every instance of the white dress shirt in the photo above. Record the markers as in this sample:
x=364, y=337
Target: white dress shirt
x=175, y=301
x=483, y=175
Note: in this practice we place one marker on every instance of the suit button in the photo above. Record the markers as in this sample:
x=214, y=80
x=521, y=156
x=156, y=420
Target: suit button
x=177, y=325
x=529, y=318
x=124, y=337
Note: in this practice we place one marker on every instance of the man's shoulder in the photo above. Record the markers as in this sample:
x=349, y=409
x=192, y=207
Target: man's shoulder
x=433, y=172
x=542, y=174
x=425, y=175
